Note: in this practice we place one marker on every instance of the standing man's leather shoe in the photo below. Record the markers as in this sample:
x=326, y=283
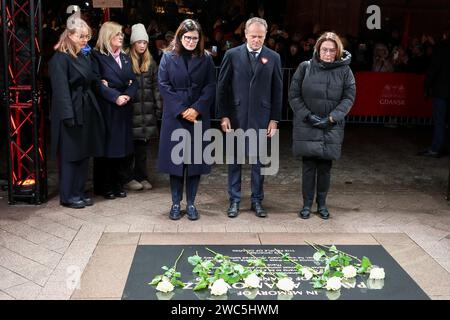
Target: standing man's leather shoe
x=259, y=210
x=233, y=211
x=192, y=213
x=175, y=212
x=75, y=205
x=324, y=213
x=305, y=213
x=88, y=202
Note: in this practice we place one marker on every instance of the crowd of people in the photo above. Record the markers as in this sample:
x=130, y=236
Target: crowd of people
x=106, y=101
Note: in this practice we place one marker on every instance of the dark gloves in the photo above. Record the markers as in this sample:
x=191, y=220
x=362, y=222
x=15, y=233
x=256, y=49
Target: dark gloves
x=323, y=124
x=313, y=119
x=69, y=123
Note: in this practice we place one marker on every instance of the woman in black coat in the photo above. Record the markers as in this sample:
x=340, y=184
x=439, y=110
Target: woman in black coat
x=188, y=86
x=118, y=87
x=78, y=131
x=147, y=108
x=322, y=93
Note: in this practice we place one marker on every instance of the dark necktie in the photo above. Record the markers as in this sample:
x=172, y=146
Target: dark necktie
x=254, y=60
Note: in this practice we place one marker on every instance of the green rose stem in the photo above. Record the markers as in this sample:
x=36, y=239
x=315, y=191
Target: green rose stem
x=337, y=251
x=176, y=262
x=264, y=266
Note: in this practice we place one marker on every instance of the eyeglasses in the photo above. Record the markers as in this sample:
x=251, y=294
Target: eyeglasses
x=120, y=34
x=326, y=50
x=85, y=36
x=189, y=39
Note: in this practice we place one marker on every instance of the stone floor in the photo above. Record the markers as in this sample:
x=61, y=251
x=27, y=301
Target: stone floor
x=379, y=188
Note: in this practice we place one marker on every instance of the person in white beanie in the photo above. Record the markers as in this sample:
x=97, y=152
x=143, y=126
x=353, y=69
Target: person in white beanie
x=147, y=108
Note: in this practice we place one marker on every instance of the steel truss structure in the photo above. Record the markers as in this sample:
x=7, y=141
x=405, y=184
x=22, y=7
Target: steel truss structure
x=22, y=96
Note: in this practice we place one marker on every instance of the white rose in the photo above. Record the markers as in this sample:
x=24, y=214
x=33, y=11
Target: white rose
x=375, y=284
x=252, y=281
x=307, y=274
x=165, y=286
x=286, y=285
x=377, y=274
x=334, y=284
x=349, y=272
x=219, y=288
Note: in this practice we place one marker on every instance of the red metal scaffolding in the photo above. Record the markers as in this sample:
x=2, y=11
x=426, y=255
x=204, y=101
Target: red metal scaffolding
x=22, y=43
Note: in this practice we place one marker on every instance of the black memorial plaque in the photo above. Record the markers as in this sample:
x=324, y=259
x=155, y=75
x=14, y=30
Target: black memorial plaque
x=149, y=260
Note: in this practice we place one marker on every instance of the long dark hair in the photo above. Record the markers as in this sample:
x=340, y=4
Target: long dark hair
x=186, y=26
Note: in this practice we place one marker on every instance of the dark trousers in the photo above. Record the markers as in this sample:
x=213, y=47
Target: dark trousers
x=235, y=180
x=177, y=185
x=441, y=121
x=137, y=162
x=110, y=174
x=72, y=180
x=316, y=173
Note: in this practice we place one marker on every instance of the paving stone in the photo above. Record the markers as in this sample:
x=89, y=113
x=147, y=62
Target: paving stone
x=26, y=291
x=199, y=239
x=10, y=279
x=29, y=250
x=4, y=296
x=24, y=267
x=118, y=239
x=107, y=272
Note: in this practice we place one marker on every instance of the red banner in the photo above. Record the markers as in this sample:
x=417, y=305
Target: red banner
x=391, y=94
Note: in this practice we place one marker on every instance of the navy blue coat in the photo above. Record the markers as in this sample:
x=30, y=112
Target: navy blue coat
x=250, y=100
x=118, y=120
x=182, y=88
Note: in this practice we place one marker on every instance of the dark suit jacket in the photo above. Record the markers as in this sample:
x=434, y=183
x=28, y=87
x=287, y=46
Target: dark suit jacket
x=250, y=99
x=118, y=120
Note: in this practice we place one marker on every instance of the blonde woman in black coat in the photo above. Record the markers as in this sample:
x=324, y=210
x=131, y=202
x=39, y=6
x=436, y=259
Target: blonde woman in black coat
x=147, y=108
x=78, y=131
x=321, y=95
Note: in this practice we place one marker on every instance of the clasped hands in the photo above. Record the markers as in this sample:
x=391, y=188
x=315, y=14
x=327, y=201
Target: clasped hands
x=121, y=100
x=190, y=115
x=319, y=122
x=271, y=130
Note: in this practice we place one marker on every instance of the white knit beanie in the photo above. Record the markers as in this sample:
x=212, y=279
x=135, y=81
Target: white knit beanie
x=138, y=33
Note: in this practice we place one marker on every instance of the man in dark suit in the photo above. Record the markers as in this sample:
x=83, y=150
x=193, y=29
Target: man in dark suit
x=249, y=97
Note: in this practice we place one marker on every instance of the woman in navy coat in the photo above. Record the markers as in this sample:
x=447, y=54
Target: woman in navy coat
x=188, y=86
x=78, y=130
x=118, y=87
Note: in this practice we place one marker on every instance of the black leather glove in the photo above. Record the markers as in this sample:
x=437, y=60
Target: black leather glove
x=313, y=119
x=324, y=123
x=69, y=123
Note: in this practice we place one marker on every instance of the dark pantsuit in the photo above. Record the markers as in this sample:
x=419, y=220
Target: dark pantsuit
x=316, y=173
x=441, y=115
x=234, y=183
x=137, y=162
x=177, y=185
x=73, y=177
x=109, y=174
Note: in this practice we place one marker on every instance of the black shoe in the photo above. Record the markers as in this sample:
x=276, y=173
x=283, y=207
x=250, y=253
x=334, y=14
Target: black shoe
x=88, y=202
x=305, y=213
x=75, y=205
x=109, y=195
x=120, y=194
x=324, y=213
x=175, y=212
x=430, y=153
x=259, y=210
x=192, y=213
x=233, y=211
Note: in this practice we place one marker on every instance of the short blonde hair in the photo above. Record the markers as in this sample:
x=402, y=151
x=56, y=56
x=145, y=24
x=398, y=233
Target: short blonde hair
x=108, y=31
x=333, y=37
x=74, y=25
